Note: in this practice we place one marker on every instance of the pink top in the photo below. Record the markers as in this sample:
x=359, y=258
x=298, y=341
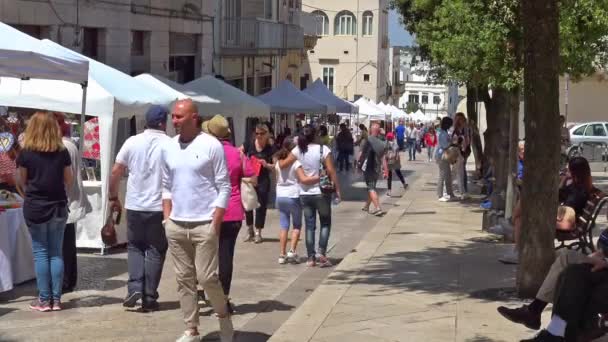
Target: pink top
x=235, y=211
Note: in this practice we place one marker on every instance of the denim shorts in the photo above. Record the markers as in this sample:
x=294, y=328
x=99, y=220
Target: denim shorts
x=289, y=209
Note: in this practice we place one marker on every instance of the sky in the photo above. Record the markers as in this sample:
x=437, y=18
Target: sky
x=397, y=33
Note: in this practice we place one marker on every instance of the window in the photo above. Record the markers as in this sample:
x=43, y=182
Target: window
x=90, y=42
x=580, y=130
x=436, y=99
x=137, y=43
x=345, y=24
x=328, y=77
x=365, y=77
x=595, y=130
x=368, y=22
x=425, y=98
x=268, y=10
x=413, y=98
x=322, y=23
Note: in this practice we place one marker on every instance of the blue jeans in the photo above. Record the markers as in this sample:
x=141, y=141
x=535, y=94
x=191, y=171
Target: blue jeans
x=311, y=205
x=411, y=146
x=47, y=241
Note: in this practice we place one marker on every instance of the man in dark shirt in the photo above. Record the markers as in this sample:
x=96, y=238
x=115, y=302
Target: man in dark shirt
x=373, y=164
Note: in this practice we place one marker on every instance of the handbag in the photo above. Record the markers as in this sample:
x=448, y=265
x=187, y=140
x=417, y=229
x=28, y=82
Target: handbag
x=450, y=154
x=249, y=197
x=325, y=183
x=108, y=232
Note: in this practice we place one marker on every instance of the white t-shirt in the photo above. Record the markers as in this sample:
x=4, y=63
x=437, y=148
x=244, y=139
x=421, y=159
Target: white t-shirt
x=195, y=178
x=287, y=181
x=141, y=155
x=311, y=162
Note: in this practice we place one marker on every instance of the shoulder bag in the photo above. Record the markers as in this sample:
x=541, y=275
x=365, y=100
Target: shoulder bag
x=325, y=183
x=249, y=197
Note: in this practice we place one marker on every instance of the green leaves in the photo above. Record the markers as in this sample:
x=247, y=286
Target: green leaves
x=479, y=41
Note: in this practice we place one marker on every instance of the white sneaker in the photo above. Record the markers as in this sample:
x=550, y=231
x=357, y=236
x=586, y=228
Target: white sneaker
x=226, y=329
x=293, y=257
x=497, y=229
x=282, y=259
x=189, y=338
x=444, y=199
x=511, y=257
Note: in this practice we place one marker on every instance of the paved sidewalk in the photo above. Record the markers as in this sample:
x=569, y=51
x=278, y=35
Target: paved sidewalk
x=265, y=293
x=425, y=272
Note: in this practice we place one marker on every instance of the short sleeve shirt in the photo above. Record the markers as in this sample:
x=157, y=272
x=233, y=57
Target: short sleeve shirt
x=311, y=163
x=141, y=154
x=45, y=195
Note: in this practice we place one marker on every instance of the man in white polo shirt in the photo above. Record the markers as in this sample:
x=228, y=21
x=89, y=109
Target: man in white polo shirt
x=196, y=190
x=147, y=243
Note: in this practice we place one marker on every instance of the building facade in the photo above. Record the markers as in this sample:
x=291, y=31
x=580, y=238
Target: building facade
x=352, y=54
x=169, y=38
x=431, y=98
x=260, y=43
x=397, y=85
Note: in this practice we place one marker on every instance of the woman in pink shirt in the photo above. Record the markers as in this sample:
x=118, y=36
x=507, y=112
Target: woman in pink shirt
x=238, y=169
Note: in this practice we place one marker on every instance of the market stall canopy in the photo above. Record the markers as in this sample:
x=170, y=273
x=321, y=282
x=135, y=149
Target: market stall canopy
x=397, y=113
x=227, y=99
x=22, y=56
x=319, y=91
x=286, y=98
x=130, y=95
x=370, y=109
x=163, y=84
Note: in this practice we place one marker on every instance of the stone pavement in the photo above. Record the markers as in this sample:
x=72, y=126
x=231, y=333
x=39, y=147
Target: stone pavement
x=265, y=293
x=425, y=272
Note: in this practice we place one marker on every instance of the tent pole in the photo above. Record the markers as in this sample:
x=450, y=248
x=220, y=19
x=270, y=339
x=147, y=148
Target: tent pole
x=82, y=119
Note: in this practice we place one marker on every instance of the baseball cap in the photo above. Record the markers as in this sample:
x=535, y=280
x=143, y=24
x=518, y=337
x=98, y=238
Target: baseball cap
x=156, y=115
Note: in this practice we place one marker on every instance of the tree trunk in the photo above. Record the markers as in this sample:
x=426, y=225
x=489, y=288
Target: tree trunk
x=541, y=90
x=499, y=150
x=472, y=99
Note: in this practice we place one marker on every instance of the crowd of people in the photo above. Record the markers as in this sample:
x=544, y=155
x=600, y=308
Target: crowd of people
x=185, y=196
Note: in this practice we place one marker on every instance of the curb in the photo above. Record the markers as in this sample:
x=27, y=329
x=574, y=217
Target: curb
x=303, y=324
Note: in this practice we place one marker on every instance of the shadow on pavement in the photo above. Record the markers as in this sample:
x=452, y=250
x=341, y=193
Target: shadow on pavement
x=471, y=270
x=240, y=336
x=481, y=338
x=262, y=306
x=90, y=301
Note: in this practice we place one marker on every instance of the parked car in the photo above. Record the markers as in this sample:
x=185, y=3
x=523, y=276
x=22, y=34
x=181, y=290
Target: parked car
x=590, y=133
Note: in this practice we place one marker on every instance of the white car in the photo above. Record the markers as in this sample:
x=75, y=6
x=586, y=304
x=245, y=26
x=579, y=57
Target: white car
x=590, y=133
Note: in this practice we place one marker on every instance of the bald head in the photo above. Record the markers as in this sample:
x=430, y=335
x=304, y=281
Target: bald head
x=185, y=117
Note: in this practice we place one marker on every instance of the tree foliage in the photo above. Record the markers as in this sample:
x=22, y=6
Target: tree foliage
x=479, y=41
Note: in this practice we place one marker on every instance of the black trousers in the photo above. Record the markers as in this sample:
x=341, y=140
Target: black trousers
x=146, y=249
x=580, y=295
x=389, y=181
x=343, y=160
x=228, y=234
x=263, y=192
x=70, y=265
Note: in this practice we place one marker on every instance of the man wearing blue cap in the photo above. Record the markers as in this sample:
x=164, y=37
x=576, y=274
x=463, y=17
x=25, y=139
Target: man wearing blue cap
x=147, y=243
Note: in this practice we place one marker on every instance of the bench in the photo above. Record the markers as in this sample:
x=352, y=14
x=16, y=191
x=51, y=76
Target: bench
x=581, y=237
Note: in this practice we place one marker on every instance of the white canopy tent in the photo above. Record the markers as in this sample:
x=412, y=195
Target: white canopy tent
x=21, y=56
x=286, y=98
x=127, y=97
x=232, y=103
x=370, y=110
x=397, y=113
x=319, y=91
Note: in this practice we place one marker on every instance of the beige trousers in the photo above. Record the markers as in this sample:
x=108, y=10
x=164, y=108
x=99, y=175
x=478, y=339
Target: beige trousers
x=193, y=248
x=565, y=257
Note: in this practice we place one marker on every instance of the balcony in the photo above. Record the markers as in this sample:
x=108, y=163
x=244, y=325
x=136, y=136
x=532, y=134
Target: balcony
x=252, y=36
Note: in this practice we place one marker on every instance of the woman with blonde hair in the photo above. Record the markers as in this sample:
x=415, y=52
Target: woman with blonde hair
x=45, y=174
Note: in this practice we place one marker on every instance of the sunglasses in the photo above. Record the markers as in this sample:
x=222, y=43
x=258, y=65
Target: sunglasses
x=260, y=133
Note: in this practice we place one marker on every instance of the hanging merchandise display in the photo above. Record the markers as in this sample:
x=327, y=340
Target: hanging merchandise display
x=91, y=139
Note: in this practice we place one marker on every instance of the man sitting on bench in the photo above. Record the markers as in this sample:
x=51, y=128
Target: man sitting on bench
x=580, y=296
